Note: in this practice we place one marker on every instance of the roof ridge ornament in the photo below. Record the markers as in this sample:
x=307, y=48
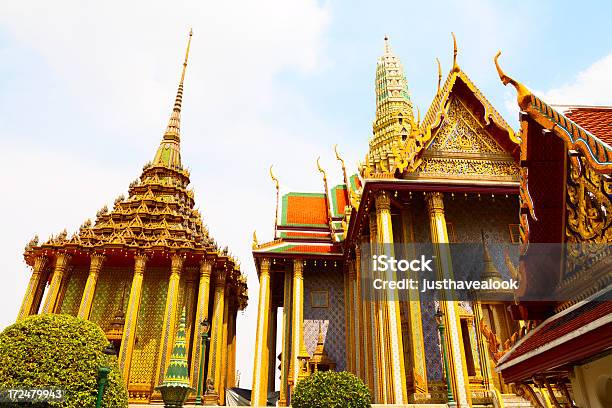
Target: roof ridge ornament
x=523, y=95
x=455, y=66
x=276, y=185
x=341, y=160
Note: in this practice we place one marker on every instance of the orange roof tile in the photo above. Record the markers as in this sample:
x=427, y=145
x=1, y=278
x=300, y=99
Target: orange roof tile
x=309, y=209
x=595, y=119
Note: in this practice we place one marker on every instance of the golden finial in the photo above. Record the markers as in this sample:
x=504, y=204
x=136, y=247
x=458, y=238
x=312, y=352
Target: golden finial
x=439, y=76
x=326, y=190
x=455, y=66
x=274, y=179
x=418, y=116
x=387, y=46
x=523, y=95
x=321, y=170
x=186, y=55
x=173, y=130
x=343, y=166
x=255, y=242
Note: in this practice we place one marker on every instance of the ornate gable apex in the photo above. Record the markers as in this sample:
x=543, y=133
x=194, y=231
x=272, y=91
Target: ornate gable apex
x=463, y=147
x=459, y=85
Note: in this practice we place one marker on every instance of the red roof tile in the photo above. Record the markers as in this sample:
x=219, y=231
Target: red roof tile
x=595, y=119
x=565, y=324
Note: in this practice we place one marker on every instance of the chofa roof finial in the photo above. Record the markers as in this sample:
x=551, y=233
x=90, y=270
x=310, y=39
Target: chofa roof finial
x=455, y=66
x=523, y=94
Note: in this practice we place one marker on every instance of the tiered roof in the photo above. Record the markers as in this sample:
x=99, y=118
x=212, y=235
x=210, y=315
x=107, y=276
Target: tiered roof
x=158, y=216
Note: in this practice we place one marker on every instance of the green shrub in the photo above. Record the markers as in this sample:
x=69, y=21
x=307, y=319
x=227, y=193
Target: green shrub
x=61, y=351
x=329, y=389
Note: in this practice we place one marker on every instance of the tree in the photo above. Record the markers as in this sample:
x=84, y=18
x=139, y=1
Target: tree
x=330, y=389
x=60, y=351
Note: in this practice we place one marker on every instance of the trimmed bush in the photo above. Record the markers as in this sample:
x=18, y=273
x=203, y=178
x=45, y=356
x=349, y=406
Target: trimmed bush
x=329, y=389
x=61, y=351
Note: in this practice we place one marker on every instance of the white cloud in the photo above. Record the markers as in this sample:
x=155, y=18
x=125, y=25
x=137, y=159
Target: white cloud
x=120, y=63
x=593, y=86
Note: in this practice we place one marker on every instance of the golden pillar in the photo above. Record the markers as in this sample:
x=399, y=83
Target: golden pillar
x=216, y=339
x=415, y=344
x=362, y=312
x=231, y=351
x=95, y=265
x=131, y=317
x=224, y=347
x=456, y=357
x=297, y=319
x=376, y=327
x=33, y=285
x=260, y=374
x=286, y=353
x=170, y=315
x=61, y=263
x=395, y=354
x=350, y=314
x=356, y=300
x=201, y=314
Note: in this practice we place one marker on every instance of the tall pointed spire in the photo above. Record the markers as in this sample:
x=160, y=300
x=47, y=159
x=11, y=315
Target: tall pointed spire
x=394, y=120
x=391, y=83
x=169, y=153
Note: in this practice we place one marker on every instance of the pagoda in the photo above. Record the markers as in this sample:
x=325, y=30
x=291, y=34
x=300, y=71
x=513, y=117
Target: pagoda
x=451, y=176
x=136, y=265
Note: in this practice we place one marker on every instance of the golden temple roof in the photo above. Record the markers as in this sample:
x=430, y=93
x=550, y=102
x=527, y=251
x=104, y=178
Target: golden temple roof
x=158, y=213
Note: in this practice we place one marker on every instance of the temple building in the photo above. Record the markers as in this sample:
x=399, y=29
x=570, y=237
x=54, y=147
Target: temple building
x=563, y=359
x=136, y=266
x=452, y=176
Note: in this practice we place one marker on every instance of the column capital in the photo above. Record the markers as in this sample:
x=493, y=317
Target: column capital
x=383, y=201
x=298, y=267
x=62, y=260
x=96, y=261
x=264, y=264
x=206, y=265
x=221, y=277
x=435, y=202
x=140, y=261
x=177, y=263
x=39, y=263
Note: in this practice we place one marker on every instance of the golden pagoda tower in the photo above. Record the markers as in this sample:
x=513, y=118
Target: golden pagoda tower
x=153, y=246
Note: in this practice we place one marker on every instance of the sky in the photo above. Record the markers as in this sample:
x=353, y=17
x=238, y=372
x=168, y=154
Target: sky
x=86, y=89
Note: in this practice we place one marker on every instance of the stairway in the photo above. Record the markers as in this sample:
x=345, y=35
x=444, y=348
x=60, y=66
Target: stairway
x=514, y=401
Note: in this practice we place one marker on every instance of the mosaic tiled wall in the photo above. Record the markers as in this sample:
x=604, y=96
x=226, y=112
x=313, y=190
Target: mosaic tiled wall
x=74, y=292
x=112, y=282
x=149, y=326
x=332, y=318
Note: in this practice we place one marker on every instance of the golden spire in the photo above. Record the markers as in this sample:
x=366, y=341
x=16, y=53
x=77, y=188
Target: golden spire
x=523, y=95
x=455, y=66
x=275, y=180
x=439, y=76
x=169, y=153
x=387, y=45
